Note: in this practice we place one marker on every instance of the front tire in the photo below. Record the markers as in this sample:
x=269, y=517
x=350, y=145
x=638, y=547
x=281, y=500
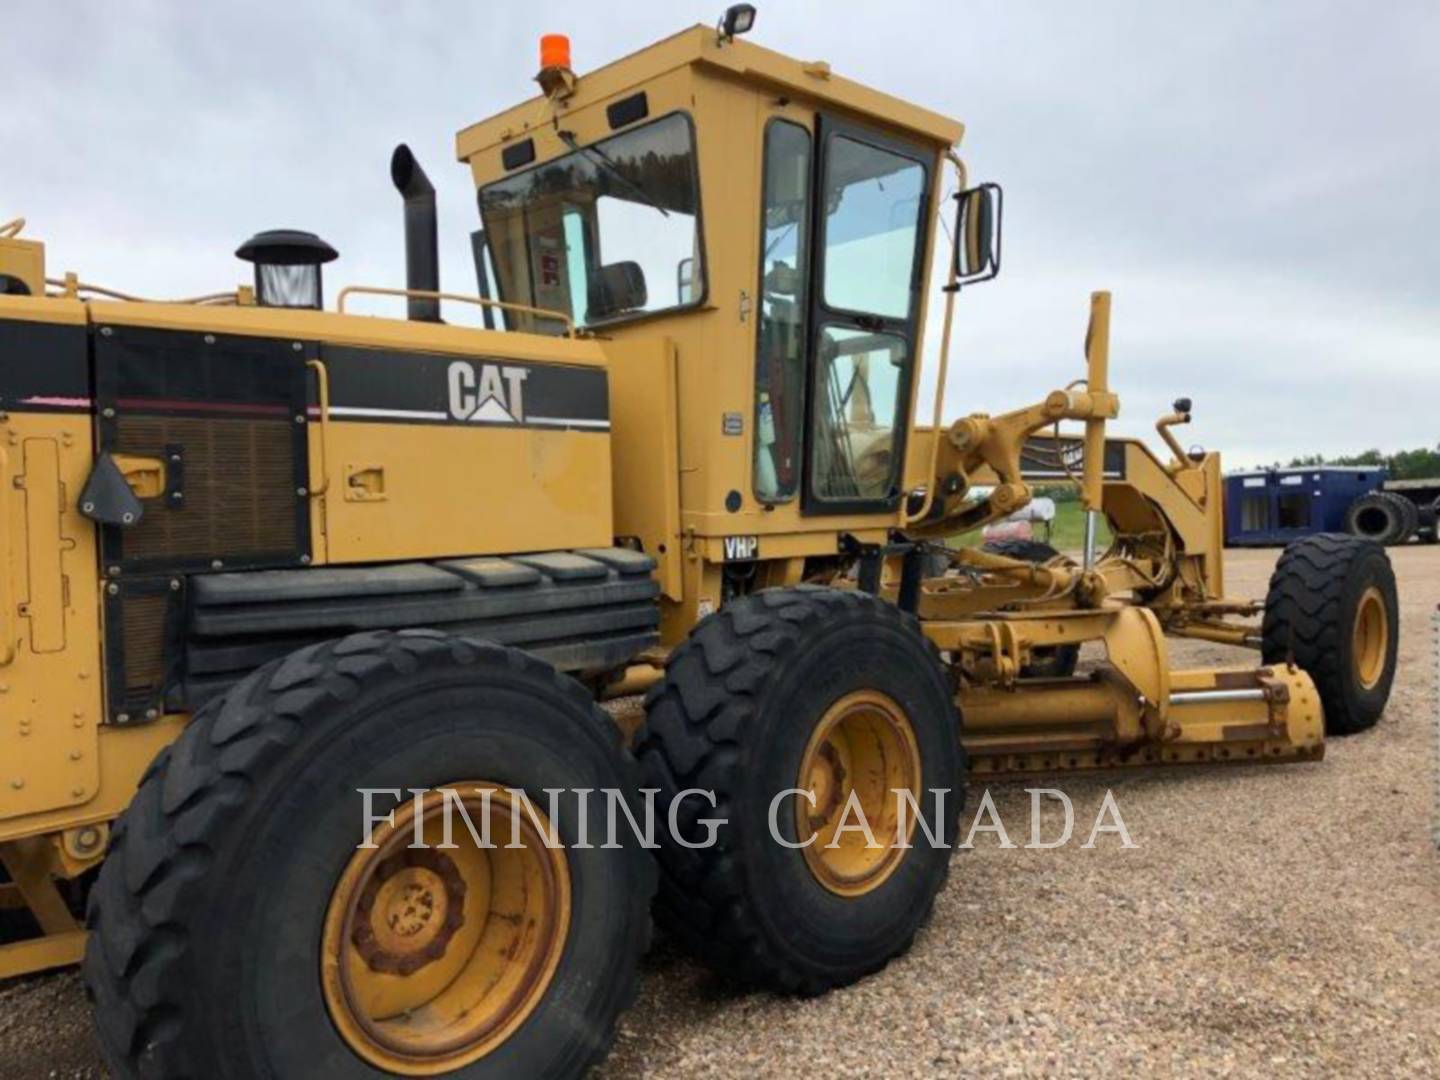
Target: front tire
x=213, y=949
x=1332, y=608
x=827, y=691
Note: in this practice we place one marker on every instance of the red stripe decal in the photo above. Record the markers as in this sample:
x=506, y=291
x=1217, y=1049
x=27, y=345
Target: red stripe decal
x=203, y=406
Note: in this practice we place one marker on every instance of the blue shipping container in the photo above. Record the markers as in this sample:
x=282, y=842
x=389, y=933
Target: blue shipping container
x=1276, y=506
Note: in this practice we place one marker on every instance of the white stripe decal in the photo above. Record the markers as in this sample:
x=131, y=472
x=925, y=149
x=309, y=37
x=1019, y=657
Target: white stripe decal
x=399, y=414
x=419, y=414
x=557, y=421
x=82, y=402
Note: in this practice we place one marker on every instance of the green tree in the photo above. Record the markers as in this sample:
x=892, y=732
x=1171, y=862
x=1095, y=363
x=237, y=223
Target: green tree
x=1415, y=464
x=1419, y=464
x=1368, y=457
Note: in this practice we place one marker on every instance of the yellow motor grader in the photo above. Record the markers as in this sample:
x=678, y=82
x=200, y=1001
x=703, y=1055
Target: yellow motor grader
x=282, y=584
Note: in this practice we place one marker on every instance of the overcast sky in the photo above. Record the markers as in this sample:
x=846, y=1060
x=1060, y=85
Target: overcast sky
x=1259, y=184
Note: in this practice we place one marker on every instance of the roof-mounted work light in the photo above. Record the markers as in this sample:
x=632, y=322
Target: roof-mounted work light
x=738, y=19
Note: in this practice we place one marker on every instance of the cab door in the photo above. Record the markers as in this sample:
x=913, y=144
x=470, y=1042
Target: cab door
x=837, y=305
x=868, y=257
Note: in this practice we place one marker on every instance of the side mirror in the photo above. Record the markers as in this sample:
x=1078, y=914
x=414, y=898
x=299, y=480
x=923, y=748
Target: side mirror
x=978, y=214
x=615, y=289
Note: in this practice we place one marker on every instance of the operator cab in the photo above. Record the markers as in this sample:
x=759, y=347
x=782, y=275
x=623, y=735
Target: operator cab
x=770, y=218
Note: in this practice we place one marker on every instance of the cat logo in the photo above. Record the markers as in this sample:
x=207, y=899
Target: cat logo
x=494, y=397
x=740, y=548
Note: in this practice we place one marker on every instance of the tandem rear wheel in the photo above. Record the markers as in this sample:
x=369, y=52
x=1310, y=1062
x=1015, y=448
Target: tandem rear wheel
x=240, y=929
x=802, y=710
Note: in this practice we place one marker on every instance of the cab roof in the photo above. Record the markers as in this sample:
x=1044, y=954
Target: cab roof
x=701, y=47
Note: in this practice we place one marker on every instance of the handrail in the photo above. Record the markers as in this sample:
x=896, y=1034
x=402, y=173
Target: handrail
x=7, y=579
x=322, y=382
x=11, y=229
x=461, y=298
x=936, y=434
x=73, y=287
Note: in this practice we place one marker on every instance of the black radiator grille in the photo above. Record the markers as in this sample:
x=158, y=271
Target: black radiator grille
x=238, y=493
x=227, y=415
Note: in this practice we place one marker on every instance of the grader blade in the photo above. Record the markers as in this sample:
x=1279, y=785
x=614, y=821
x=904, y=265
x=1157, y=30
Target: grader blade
x=1132, y=709
x=1268, y=714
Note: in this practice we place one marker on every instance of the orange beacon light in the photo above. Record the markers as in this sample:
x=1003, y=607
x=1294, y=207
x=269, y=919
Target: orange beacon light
x=554, y=51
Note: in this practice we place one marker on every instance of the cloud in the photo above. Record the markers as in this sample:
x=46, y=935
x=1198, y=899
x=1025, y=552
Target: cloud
x=1255, y=182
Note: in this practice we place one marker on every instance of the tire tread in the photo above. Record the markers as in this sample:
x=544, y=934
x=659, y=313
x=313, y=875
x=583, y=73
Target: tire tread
x=165, y=841
x=1305, y=617
x=696, y=721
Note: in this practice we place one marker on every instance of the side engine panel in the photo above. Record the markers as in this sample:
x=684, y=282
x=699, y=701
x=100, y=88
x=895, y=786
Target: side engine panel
x=429, y=454
x=50, y=682
x=253, y=449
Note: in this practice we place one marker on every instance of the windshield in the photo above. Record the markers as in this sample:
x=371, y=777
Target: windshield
x=607, y=232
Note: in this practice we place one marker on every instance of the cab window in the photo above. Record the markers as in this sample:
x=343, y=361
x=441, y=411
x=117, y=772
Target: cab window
x=779, y=421
x=607, y=232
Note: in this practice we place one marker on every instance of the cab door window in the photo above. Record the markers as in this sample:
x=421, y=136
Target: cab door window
x=874, y=192
x=872, y=227
x=859, y=397
x=779, y=420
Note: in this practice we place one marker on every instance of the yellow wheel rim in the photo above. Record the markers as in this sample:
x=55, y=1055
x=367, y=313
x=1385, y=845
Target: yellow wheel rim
x=1372, y=637
x=432, y=957
x=861, y=753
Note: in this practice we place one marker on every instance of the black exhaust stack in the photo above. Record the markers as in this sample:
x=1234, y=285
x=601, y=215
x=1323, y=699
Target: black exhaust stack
x=422, y=251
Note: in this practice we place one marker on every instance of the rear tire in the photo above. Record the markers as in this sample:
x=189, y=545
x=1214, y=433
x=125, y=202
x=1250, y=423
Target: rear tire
x=738, y=713
x=209, y=919
x=1050, y=662
x=1332, y=606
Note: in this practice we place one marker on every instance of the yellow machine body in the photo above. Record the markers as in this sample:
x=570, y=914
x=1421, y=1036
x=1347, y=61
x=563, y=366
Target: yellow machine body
x=446, y=454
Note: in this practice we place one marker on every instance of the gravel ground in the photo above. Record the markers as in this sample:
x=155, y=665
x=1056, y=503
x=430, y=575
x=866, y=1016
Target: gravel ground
x=1280, y=920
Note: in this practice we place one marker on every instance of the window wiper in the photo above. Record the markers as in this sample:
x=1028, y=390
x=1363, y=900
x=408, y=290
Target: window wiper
x=598, y=155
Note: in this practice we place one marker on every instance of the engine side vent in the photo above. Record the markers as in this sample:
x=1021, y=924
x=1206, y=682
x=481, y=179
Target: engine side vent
x=144, y=624
x=227, y=415
x=231, y=493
